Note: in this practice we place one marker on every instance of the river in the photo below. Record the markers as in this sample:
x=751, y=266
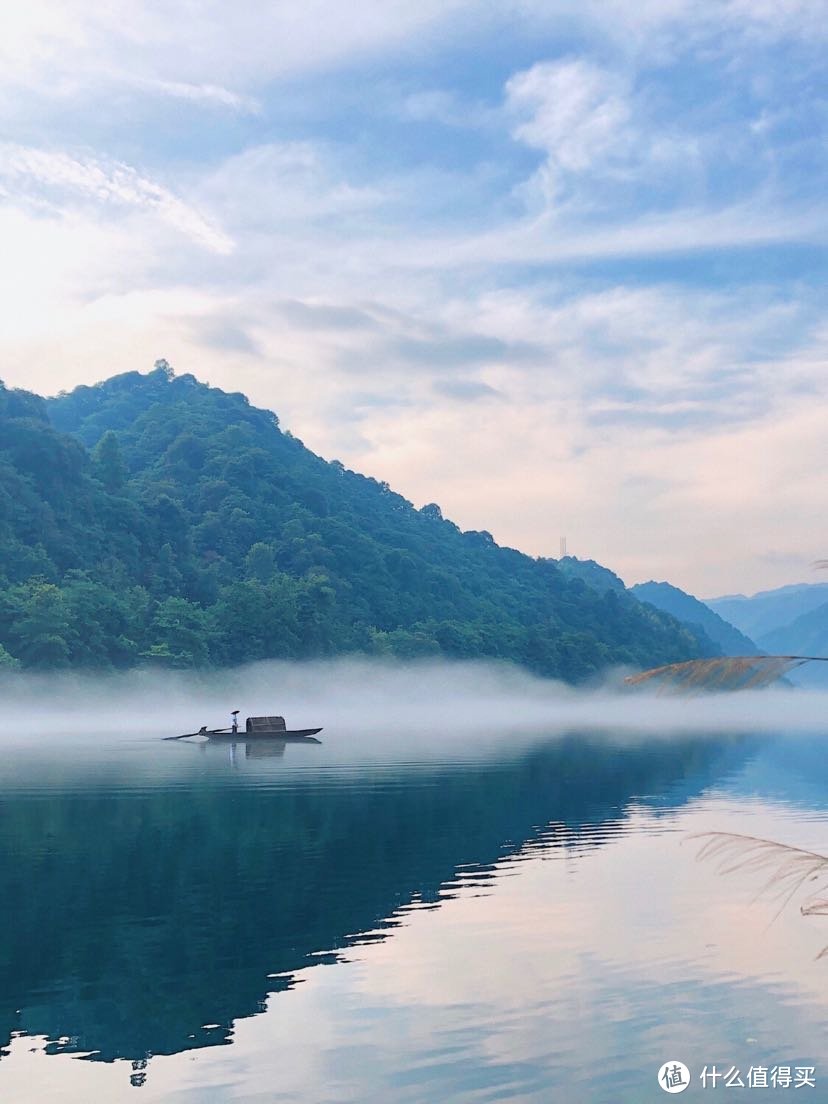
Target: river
x=503, y=916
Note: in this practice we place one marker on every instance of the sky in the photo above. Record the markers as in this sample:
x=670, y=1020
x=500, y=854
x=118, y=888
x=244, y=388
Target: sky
x=558, y=267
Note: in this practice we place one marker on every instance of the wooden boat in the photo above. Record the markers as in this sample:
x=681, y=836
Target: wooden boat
x=285, y=735
x=255, y=729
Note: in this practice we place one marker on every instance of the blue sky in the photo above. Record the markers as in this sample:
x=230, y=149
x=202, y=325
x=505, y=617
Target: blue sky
x=559, y=267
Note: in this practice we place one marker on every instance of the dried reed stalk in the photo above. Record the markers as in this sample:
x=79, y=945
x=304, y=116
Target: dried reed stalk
x=724, y=673
x=788, y=870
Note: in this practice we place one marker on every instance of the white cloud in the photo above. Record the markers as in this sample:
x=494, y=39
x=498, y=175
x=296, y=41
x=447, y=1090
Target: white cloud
x=213, y=48
x=200, y=94
x=449, y=109
x=550, y=241
x=662, y=29
x=277, y=185
x=601, y=148
x=49, y=173
x=204, y=42
x=803, y=19
x=575, y=112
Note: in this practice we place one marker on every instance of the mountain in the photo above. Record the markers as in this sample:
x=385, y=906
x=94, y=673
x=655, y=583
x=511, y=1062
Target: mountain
x=769, y=610
x=805, y=635
x=715, y=635
x=154, y=519
x=593, y=574
x=690, y=611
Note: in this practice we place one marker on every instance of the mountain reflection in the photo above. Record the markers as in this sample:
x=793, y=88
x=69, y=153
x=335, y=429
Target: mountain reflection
x=133, y=919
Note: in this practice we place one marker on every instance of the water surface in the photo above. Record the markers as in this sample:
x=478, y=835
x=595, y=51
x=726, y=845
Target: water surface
x=504, y=916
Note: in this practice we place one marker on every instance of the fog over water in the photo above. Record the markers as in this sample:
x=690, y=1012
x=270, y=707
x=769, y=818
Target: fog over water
x=480, y=886
x=373, y=708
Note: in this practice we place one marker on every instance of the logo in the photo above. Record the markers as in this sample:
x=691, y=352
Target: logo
x=674, y=1077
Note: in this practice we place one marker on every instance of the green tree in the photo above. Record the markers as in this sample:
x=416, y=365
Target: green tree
x=109, y=463
x=41, y=627
x=260, y=563
x=181, y=632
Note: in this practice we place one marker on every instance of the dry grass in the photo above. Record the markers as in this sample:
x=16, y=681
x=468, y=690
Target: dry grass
x=787, y=871
x=724, y=673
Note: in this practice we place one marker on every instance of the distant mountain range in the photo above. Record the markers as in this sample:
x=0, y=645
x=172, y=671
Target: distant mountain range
x=805, y=635
x=792, y=620
x=774, y=618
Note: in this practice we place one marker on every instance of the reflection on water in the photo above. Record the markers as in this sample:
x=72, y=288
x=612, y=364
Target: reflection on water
x=531, y=924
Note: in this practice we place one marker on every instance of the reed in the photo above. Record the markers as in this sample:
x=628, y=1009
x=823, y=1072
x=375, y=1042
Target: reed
x=787, y=871
x=723, y=673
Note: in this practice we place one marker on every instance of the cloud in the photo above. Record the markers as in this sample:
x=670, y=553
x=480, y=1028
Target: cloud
x=434, y=104
x=58, y=177
x=205, y=42
x=451, y=350
x=775, y=19
x=575, y=112
x=663, y=29
x=465, y=390
x=448, y=109
x=56, y=45
x=276, y=184
x=211, y=94
x=542, y=240
x=225, y=332
x=326, y=316
x=602, y=151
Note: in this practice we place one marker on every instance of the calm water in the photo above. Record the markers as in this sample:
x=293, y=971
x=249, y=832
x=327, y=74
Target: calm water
x=520, y=919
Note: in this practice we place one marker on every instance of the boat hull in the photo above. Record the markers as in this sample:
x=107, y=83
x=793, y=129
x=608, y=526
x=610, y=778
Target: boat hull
x=290, y=736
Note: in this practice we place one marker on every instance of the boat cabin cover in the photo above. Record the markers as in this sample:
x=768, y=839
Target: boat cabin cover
x=265, y=724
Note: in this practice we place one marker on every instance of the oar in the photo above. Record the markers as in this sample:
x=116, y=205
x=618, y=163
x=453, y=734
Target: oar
x=186, y=735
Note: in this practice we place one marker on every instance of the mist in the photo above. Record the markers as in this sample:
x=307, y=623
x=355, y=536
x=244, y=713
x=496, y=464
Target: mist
x=372, y=708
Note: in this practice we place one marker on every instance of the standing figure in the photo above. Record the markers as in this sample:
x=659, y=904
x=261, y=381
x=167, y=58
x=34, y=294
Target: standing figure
x=234, y=721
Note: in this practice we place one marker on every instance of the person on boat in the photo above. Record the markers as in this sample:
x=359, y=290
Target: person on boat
x=234, y=721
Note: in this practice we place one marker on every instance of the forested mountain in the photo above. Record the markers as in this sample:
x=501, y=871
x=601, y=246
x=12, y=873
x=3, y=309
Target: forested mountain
x=690, y=611
x=154, y=519
x=594, y=574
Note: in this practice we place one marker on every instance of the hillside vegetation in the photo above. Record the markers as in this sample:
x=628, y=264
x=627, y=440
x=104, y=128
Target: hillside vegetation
x=695, y=614
x=154, y=519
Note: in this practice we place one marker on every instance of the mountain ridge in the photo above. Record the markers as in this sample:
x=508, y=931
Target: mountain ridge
x=806, y=634
x=196, y=531
x=692, y=611
x=769, y=610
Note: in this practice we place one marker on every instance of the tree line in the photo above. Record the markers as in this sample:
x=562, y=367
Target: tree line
x=152, y=519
